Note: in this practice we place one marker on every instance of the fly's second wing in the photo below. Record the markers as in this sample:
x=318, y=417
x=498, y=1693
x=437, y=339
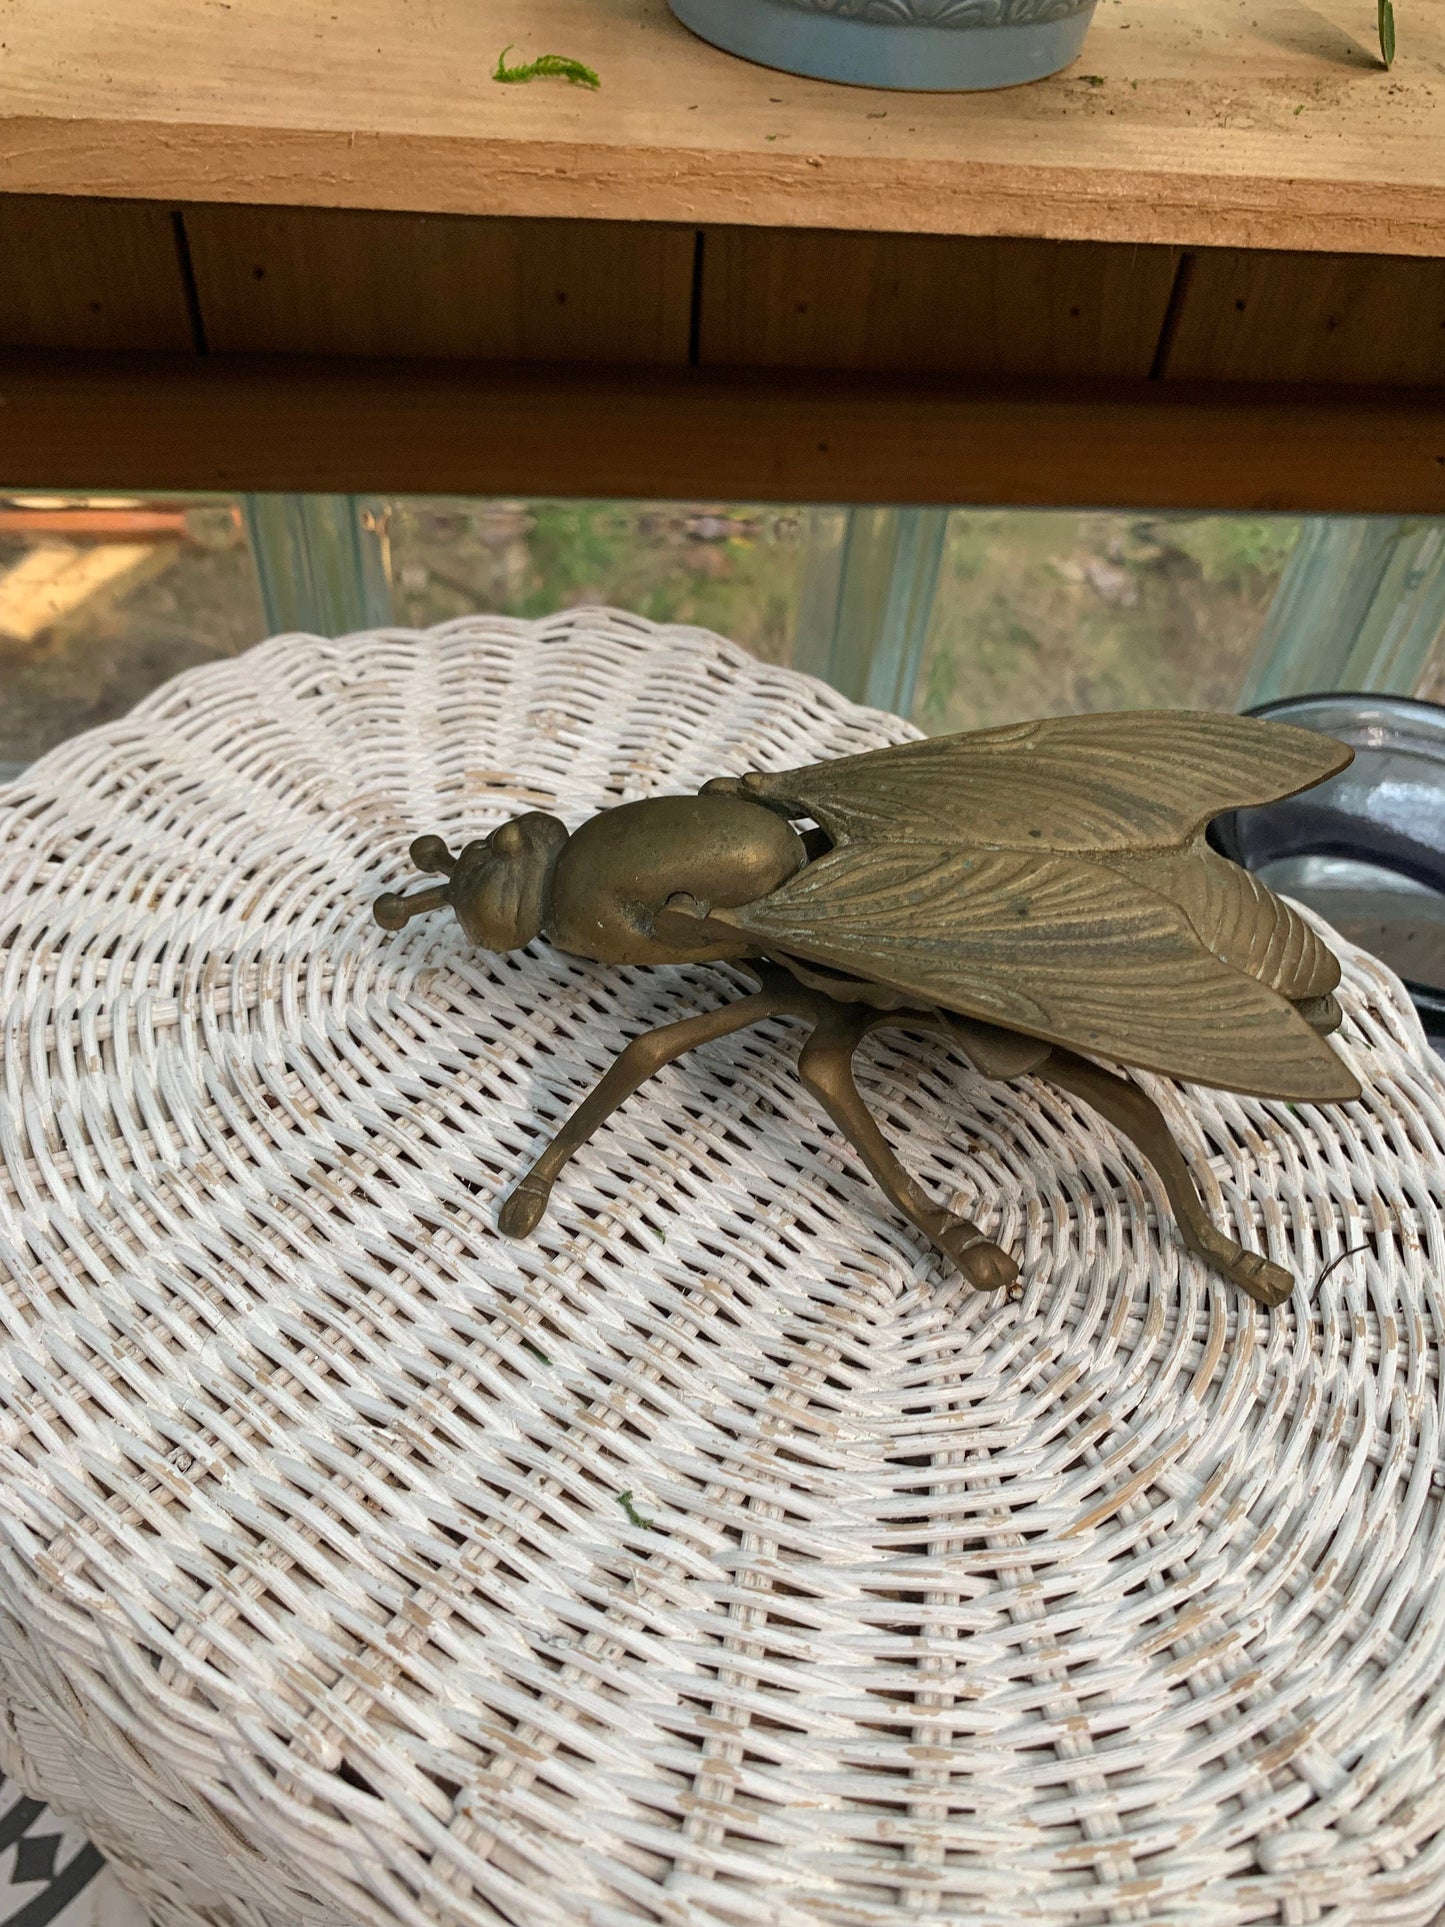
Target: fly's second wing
x=1141, y=780
x=1058, y=947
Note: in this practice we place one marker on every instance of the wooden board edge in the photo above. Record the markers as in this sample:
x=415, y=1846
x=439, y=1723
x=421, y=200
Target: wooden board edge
x=162, y=422
x=1336, y=209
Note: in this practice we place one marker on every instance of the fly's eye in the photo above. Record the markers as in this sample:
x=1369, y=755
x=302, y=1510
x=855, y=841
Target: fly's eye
x=509, y=840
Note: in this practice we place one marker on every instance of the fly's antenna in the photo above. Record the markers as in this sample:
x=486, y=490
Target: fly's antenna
x=430, y=853
x=393, y=910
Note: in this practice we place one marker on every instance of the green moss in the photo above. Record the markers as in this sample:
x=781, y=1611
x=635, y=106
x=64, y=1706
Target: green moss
x=634, y=1517
x=547, y=67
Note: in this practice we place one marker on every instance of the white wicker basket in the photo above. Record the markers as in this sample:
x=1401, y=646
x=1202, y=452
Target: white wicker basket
x=321, y=1603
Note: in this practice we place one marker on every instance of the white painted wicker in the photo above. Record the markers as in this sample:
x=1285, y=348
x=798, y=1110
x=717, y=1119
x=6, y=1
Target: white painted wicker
x=321, y=1602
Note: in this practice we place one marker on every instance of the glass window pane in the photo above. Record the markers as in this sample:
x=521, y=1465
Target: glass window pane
x=102, y=598
x=1036, y=612
x=735, y=569
x=1044, y=612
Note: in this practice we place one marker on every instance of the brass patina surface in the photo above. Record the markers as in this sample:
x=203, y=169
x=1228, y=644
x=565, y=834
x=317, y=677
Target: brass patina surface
x=1039, y=894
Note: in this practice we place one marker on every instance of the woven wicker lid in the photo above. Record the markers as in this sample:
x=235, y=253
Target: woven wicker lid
x=715, y=1556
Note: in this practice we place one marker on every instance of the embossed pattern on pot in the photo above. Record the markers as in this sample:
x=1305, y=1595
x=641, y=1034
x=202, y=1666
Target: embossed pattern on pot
x=949, y=13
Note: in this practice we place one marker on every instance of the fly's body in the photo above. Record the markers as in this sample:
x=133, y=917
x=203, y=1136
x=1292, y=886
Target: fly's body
x=1040, y=895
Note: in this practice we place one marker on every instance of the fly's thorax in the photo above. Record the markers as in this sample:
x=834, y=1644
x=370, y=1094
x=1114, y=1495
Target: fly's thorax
x=501, y=886
x=623, y=866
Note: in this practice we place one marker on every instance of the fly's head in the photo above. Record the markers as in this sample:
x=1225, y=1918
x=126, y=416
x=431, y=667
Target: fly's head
x=498, y=886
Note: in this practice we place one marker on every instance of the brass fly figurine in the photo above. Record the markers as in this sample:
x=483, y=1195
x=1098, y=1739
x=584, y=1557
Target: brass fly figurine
x=1039, y=894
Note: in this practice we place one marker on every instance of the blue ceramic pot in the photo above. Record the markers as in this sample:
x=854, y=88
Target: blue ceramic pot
x=937, y=45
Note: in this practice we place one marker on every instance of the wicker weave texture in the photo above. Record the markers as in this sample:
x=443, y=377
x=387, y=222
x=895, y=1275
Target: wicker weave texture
x=716, y=1557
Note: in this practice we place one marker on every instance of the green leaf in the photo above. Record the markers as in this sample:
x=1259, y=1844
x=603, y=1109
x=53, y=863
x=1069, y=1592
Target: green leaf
x=1387, y=31
x=547, y=67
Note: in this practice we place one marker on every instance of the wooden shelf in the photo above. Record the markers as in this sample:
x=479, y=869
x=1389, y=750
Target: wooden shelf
x=279, y=422
x=1206, y=267
x=1194, y=123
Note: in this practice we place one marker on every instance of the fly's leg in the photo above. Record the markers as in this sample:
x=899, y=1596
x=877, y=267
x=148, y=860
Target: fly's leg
x=642, y=1058
x=826, y=1068
x=1139, y=1119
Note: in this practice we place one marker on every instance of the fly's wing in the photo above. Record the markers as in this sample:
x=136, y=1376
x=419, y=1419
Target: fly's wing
x=1237, y=917
x=1073, y=783
x=1057, y=946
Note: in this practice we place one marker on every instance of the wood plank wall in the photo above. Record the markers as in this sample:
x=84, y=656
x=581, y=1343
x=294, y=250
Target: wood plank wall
x=311, y=281
x=90, y=274
x=931, y=304
x=127, y=275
